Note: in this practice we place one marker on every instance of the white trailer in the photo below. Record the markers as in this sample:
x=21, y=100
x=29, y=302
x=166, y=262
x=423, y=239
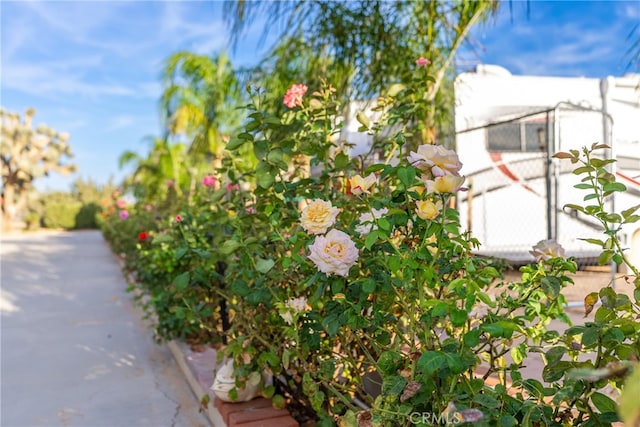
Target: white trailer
x=509, y=126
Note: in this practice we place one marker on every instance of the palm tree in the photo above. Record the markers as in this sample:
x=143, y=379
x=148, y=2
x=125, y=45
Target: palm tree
x=163, y=172
x=372, y=44
x=199, y=102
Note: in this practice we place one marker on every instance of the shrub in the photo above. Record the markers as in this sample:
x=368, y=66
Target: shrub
x=357, y=288
x=60, y=210
x=87, y=216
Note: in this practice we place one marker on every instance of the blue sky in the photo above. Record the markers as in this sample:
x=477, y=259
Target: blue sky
x=93, y=68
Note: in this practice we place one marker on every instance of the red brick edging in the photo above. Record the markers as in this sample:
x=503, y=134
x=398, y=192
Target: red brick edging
x=198, y=369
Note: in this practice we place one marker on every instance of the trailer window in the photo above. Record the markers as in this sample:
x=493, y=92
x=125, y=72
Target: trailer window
x=517, y=137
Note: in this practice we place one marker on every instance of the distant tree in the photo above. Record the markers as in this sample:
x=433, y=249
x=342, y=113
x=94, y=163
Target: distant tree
x=27, y=154
x=368, y=44
x=165, y=173
x=200, y=101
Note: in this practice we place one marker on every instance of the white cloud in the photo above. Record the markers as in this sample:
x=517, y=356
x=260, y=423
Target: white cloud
x=628, y=10
x=50, y=82
x=120, y=122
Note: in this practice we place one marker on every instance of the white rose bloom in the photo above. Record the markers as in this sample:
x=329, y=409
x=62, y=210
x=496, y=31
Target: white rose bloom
x=334, y=253
x=287, y=316
x=318, y=216
x=546, y=249
x=297, y=304
x=435, y=159
x=366, y=225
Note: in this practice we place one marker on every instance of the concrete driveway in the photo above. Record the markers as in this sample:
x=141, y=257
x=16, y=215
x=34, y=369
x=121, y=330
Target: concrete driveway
x=74, y=351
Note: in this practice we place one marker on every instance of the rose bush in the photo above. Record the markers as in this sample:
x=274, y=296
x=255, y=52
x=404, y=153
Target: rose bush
x=356, y=288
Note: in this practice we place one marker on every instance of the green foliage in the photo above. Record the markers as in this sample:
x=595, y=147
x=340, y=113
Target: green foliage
x=81, y=208
x=415, y=323
x=60, y=210
x=395, y=316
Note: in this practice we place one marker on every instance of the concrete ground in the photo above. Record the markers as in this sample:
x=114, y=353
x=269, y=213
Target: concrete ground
x=74, y=351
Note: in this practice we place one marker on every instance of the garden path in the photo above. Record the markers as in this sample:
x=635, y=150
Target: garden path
x=74, y=350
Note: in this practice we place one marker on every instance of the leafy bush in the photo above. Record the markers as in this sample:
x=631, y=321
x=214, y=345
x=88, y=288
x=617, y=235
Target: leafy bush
x=60, y=210
x=356, y=287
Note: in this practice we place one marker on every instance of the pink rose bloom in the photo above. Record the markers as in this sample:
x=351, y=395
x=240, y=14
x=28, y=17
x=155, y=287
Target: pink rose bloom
x=124, y=215
x=208, y=181
x=293, y=97
x=179, y=218
x=170, y=183
x=251, y=210
x=121, y=203
x=231, y=187
x=422, y=62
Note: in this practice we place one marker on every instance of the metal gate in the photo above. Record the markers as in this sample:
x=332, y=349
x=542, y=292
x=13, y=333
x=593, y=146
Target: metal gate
x=517, y=190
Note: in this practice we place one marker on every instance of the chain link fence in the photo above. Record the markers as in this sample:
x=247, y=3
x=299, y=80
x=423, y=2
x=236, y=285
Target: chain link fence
x=517, y=190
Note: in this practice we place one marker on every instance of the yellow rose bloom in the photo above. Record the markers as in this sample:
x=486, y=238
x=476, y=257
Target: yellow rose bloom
x=444, y=184
x=360, y=185
x=426, y=209
x=318, y=216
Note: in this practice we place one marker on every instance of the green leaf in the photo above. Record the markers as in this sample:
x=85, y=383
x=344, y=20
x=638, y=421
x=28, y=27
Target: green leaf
x=406, y=175
x=632, y=218
x=181, y=281
x=583, y=169
x=458, y=317
x=603, y=403
x=363, y=119
x=266, y=180
x=264, y=265
x=252, y=125
x=235, y=143
x=576, y=207
x=627, y=212
x=594, y=241
x=431, y=361
x=389, y=362
x=261, y=149
x=605, y=257
x=493, y=329
x=341, y=161
x=384, y=224
x=179, y=253
x=472, y=338
x=369, y=286
x=371, y=239
x=245, y=136
x=229, y=246
x=507, y=421
x=583, y=186
x=614, y=186
x=518, y=353
x=486, y=401
x=600, y=162
x=272, y=120
x=553, y=372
